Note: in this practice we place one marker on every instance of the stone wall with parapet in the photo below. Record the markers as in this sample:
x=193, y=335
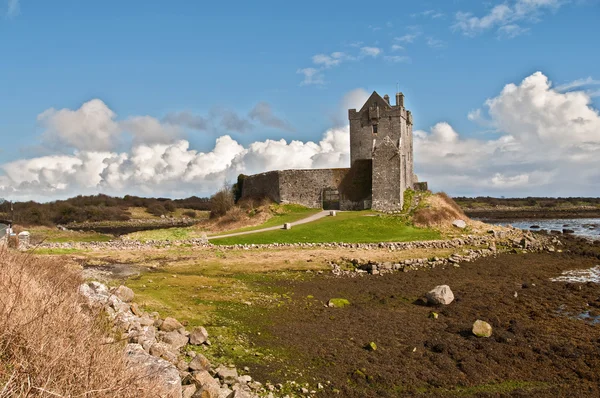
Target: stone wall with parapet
x=264, y=185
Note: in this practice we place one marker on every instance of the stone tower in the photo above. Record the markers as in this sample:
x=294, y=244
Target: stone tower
x=382, y=133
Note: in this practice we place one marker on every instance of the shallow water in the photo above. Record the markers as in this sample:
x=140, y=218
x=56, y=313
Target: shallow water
x=588, y=227
x=580, y=276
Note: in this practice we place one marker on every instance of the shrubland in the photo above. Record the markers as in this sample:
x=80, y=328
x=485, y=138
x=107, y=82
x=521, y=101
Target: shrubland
x=51, y=343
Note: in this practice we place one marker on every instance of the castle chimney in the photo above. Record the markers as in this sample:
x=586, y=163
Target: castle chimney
x=400, y=99
x=387, y=99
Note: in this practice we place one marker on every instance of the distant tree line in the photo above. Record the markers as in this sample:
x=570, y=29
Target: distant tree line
x=488, y=201
x=96, y=208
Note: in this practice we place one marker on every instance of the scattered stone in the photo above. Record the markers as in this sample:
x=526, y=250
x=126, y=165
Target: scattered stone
x=482, y=328
x=207, y=386
x=155, y=370
x=124, y=293
x=440, y=295
x=170, y=324
x=198, y=336
x=188, y=391
x=175, y=339
x=371, y=346
x=228, y=375
x=338, y=303
x=200, y=362
x=459, y=224
x=433, y=315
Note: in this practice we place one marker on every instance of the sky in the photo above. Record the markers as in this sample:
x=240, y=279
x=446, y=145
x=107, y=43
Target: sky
x=177, y=98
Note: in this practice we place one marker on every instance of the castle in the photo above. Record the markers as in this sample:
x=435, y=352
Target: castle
x=381, y=166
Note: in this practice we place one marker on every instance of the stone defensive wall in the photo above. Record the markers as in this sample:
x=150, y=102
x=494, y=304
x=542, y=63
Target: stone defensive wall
x=351, y=186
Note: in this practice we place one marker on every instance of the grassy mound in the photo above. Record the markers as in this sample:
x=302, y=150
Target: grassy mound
x=438, y=211
x=48, y=345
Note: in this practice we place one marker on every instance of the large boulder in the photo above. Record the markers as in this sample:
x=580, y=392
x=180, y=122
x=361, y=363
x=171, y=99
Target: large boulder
x=156, y=370
x=482, y=329
x=124, y=293
x=440, y=295
x=170, y=324
x=95, y=292
x=198, y=336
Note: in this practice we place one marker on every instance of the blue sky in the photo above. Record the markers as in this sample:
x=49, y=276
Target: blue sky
x=218, y=60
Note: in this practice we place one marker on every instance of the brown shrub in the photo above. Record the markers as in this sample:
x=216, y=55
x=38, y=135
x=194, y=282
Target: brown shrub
x=221, y=202
x=50, y=344
x=450, y=202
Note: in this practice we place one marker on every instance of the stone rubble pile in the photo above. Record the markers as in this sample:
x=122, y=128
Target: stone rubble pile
x=489, y=246
x=155, y=350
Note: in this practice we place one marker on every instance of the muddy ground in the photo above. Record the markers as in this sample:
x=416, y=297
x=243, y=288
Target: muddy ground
x=539, y=348
x=491, y=215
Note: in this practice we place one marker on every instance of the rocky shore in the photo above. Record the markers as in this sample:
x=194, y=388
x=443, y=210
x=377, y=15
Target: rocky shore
x=162, y=350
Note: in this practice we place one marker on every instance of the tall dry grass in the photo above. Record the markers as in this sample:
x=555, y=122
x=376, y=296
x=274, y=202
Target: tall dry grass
x=51, y=343
x=440, y=211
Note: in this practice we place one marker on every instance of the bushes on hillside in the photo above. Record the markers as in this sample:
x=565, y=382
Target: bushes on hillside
x=221, y=202
x=51, y=344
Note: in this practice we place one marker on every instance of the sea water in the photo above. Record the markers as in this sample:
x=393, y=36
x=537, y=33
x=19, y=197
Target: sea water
x=588, y=227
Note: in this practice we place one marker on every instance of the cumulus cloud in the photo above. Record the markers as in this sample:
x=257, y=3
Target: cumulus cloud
x=408, y=38
x=92, y=127
x=397, y=58
x=548, y=144
x=169, y=169
x=504, y=17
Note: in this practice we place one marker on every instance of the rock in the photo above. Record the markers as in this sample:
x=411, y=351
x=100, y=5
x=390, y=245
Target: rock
x=156, y=370
x=198, y=336
x=170, y=324
x=440, y=295
x=188, y=391
x=207, y=386
x=338, y=302
x=433, y=315
x=482, y=329
x=228, y=375
x=568, y=231
x=159, y=349
x=124, y=293
x=371, y=346
x=175, y=339
x=199, y=363
x=459, y=224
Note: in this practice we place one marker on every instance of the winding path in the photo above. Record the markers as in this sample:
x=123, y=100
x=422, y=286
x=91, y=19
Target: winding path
x=308, y=219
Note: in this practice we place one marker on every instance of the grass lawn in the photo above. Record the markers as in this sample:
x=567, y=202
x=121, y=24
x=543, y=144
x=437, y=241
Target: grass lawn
x=166, y=234
x=348, y=227
x=281, y=214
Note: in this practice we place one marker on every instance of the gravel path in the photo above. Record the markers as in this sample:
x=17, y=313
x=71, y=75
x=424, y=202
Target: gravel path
x=312, y=218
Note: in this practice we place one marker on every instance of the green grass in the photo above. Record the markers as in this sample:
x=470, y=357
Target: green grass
x=281, y=214
x=348, y=227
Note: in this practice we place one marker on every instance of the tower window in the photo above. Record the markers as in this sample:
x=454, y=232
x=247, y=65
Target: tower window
x=374, y=129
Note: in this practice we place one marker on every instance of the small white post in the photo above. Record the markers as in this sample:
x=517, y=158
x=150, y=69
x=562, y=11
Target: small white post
x=332, y=213
x=287, y=225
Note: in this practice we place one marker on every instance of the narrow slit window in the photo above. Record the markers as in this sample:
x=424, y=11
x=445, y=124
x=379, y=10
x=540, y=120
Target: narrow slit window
x=374, y=129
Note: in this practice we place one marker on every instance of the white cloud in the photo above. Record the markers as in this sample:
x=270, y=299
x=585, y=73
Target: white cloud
x=432, y=42
x=311, y=76
x=396, y=47
x=91, y=127
x=408, y=38
x=504, y=17
x=329, y=60
x=397, y=58
x=548, y=144
x=148, y=130
x=370, y=51
x=14, y=8
x=578, y=83
x=433, y=14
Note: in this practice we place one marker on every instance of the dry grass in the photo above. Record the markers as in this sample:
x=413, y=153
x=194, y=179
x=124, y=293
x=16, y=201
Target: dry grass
x=51, y=344
x=439, y=212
